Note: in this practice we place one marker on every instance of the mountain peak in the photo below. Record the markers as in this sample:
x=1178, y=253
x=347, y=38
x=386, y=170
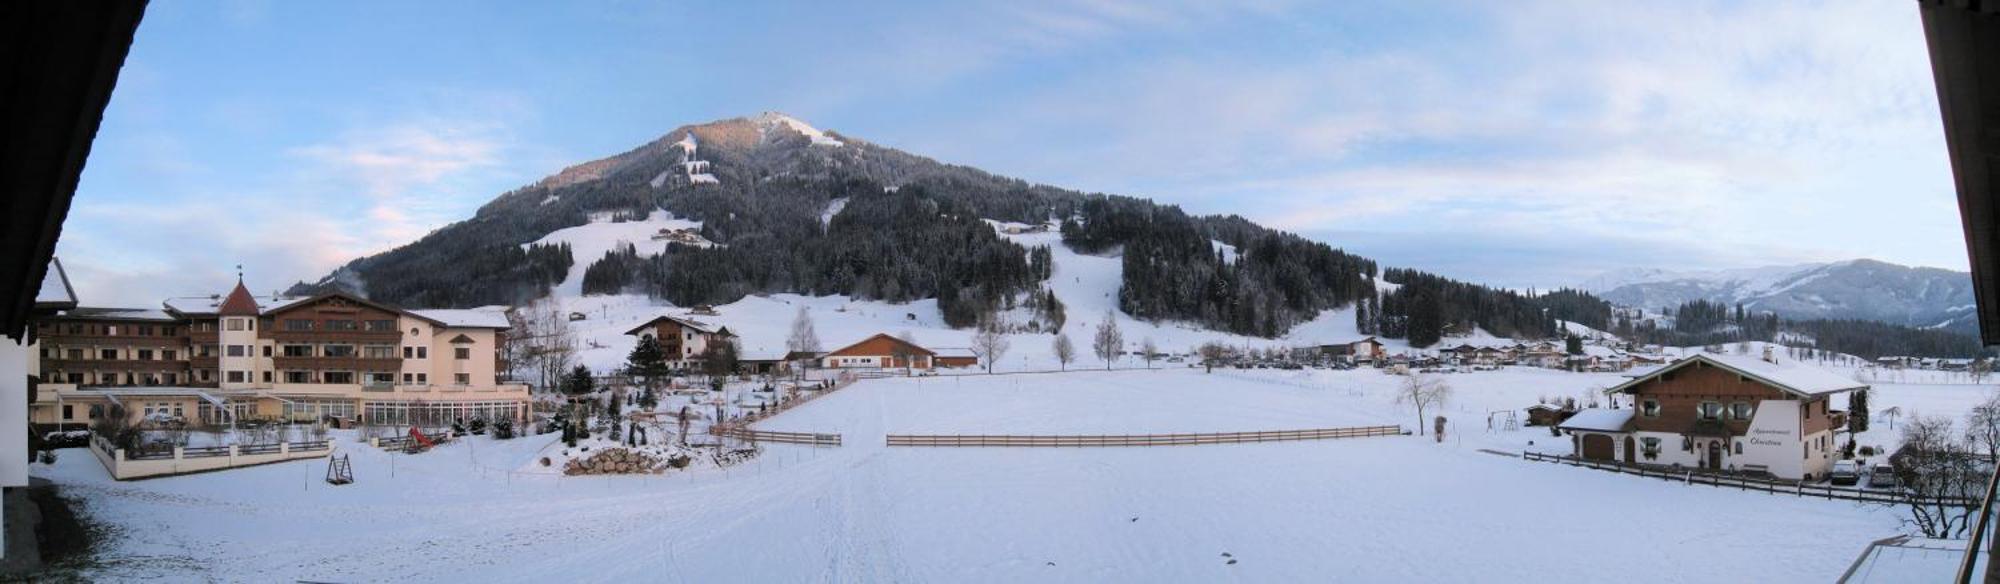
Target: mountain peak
x=1860, y=288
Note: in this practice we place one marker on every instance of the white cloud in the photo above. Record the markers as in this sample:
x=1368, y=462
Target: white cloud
x=1713, y=128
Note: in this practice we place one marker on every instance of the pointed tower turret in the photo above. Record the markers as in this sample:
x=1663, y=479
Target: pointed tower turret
x=239, y=302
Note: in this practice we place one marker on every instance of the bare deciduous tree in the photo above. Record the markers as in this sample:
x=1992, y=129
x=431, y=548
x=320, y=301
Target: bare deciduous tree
x=1941, y=476
x=1109, y=343
x=541, y=343
x=803, y=344
x=1982, y=426
x=989, y=344
x=1064, y=350
x=1211, y=353
x=1424, y=392
x=1148, y=351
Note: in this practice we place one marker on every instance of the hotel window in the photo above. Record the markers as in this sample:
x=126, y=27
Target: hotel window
x=461, y=353
x=337, y=377
x=462, y=378
x=237, y=377
x=423, y=378
x=1650, y=447
x=1741, y=410
x=340, y=325
x=1711, y=410
x=423, y=352
x=107, y=354
x=170, y=331
x=145, y=354
x=76, y=354
x=407, y=378
x=169, y=354
x=298, y=377
x=267, y=377
x=69, y=412
x=111, y=330
x=379, y=352
x=409, y=352
x=173, y=379
x=338, y=350
x=267, y=350
x=381, y=326
x=298, y=350
x=239, y=350
x=235, y=324
x=1649, y=408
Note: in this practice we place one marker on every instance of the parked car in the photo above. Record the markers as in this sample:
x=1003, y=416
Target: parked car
x=1882, y=476
x=1845, y=473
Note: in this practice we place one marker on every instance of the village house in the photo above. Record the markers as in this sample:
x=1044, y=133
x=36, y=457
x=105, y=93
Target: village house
x=1540, y=354
x=218, y=359
x=1364, y=350
x=682, y=340
x=883, y=351
x=1723, y=413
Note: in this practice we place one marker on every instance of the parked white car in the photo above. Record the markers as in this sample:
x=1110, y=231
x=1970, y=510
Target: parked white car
x=1845, y=473
x=1882, y=476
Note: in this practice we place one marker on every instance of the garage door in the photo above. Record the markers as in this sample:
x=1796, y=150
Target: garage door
x=1597, y=447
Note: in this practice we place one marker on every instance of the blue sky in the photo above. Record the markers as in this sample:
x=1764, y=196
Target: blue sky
x=1517, y=143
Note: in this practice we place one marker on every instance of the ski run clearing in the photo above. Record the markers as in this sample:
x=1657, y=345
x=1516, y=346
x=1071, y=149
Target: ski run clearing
x=1385, y=509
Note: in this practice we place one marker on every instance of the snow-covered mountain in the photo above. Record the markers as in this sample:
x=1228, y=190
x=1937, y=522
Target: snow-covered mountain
x=1857, y=289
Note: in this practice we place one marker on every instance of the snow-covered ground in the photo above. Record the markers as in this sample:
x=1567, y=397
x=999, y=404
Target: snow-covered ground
x=1370, y=509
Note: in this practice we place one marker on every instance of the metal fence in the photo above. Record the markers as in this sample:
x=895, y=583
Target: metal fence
x=1086, y=441
x=1796, y=488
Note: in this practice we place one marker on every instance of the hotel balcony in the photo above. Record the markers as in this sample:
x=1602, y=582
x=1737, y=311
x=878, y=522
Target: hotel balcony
x=80, y=365
x=356, y=364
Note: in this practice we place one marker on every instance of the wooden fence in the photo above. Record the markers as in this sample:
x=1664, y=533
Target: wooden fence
x=1780, y=487
x=1085, y=441
x=807, y=438
x=731, y=425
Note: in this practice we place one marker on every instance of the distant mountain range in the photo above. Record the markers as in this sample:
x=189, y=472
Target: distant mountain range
x=1856, y=289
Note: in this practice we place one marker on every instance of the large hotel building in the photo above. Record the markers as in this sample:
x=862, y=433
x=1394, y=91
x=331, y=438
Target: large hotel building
x=237, y=357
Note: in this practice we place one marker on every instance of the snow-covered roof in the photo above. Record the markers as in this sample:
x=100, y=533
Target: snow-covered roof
x=120, y=314
x=213, y=303
x=466, y=317
x=1599, y=351
x=56, y=290
x=1790, y=376
x=696, y=325
x=960, y=352
x=1598, y=420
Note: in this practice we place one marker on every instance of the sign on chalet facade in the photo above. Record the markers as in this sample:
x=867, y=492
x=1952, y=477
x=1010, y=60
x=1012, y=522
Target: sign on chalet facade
x=1720, y=412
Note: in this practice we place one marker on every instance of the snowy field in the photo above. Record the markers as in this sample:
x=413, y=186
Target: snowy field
x=1369, y=509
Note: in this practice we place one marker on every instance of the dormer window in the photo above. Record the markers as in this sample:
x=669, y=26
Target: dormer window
x=1710, y=410
x=1741, y=410
x=1649, y=408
